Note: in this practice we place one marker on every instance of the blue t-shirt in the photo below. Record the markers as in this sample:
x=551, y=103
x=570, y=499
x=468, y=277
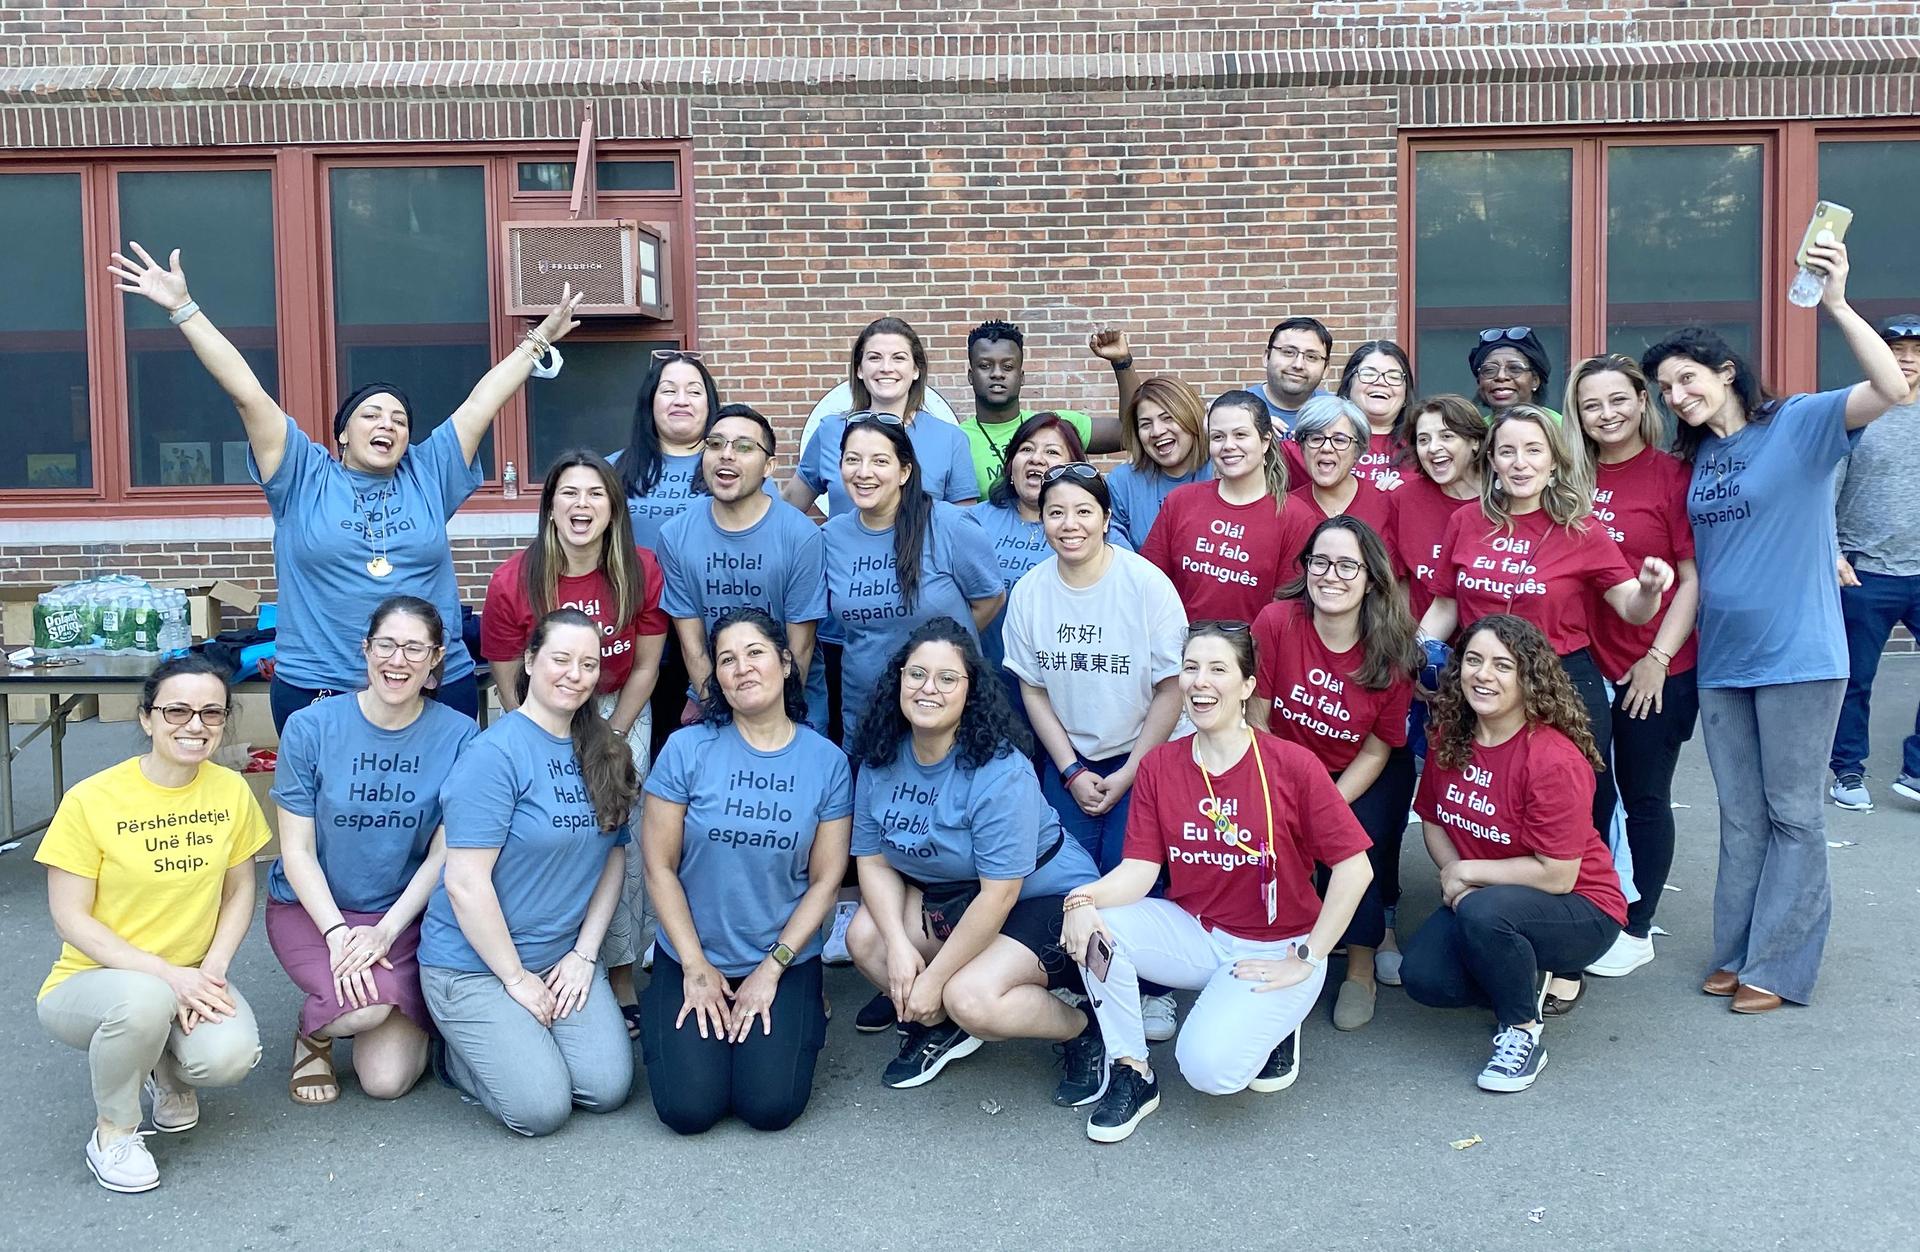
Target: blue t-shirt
x=751, y=819
x=1018, y=546
x=518, y=789
x=1761, y=504
x=945, y=823
x=945, y=456
x=1138, y=495
x=778, y=565
x=330, y=521
x=373, y=795
x=863, y=592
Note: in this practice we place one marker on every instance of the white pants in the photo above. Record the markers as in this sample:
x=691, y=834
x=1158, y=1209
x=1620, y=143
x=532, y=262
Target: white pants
x=633, y=924
x=1231, y=1029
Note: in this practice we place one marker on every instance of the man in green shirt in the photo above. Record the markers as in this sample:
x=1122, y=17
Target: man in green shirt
x=996, y=353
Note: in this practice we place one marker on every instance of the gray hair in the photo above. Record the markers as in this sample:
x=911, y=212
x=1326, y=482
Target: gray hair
x=1325, y=413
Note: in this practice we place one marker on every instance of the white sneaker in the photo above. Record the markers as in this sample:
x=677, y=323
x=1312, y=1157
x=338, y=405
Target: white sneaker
x=1157, y=1013
x=173, y=1111
x=1626, y=955
x=124, y=1165
x=835, y=952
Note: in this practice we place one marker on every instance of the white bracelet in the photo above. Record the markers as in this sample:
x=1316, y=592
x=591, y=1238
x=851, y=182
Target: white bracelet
x=180, y=315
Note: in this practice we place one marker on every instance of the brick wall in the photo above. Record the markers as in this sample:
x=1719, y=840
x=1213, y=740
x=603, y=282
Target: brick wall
x=1189, y=171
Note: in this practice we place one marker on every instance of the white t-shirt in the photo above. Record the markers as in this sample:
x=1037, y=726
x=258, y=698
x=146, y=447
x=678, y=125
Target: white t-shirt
x=1096, y=651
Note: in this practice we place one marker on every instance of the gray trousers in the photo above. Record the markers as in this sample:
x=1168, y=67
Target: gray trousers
x=633, y=924
x=1773, y=899
x=528, y=1075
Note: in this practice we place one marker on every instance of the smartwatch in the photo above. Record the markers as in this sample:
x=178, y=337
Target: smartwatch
x=1305, y=954
x=782, y=955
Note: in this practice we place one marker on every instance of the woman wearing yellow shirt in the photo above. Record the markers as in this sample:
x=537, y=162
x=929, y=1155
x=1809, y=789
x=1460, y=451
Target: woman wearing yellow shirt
x=150, y=882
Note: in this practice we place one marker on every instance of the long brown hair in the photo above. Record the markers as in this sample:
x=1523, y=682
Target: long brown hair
x=1546, y=694
x=1389, y=653
x=1179, y=402
x=606, y=763
x=916, y=393
x=545, y=562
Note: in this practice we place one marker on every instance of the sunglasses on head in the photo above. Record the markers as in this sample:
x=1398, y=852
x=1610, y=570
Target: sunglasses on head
x=869, y=415
x=1079, y=469
x=1494, y=334
x=674, y=354
x=1224, y=627
x=1901, y=330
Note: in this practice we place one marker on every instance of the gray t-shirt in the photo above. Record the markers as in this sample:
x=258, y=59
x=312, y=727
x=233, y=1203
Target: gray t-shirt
x=1097, y=651
x=1878, y=509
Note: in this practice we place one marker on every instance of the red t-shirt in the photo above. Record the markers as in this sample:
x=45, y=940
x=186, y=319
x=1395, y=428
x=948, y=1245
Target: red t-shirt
x=1531, y=795
x=506, y=621
x=1376, y=465
x=1540, y=571
x=1316, y=701
x=1643, y=504
x=1227, y=560
x=1421, y=512
x=1369, y=504
x=1217, y=883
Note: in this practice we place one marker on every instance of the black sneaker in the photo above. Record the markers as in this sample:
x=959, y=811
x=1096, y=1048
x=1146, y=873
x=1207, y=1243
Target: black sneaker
x=876, y=1015
x=925, y=1051
x=1129, y=1098
x=1518, y=1057
x=1282, y=1069
x=1085, y=1059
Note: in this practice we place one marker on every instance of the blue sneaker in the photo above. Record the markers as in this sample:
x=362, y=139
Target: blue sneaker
x=1518, y=1057
x=1908, y=785
x=1849, y=791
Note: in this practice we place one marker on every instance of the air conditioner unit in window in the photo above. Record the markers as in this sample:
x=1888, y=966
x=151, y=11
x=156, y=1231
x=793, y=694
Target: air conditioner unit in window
x=619, y=264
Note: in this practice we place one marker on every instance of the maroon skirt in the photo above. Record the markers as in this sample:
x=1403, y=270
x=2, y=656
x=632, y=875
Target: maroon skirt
x=303, y=954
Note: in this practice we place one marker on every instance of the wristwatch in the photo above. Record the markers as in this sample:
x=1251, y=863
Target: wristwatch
x=1306, y=954
x=782, y=955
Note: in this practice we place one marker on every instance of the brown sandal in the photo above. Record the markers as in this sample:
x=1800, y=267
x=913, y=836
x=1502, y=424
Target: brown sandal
x=320, y=1050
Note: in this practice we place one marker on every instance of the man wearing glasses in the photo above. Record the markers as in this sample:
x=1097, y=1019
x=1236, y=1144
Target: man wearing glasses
x=1297, y=354
x=1877, y=516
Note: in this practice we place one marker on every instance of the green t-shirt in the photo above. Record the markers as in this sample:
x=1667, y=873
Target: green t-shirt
x=989, y=443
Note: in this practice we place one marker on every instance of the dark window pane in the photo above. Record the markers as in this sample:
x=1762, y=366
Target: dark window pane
x=1876, y=179
x=410, y=252
x=611, y=175
x=43, y=334
x=590, y=405
x=1683, y=243
x=182, y=428
x=1493, y=247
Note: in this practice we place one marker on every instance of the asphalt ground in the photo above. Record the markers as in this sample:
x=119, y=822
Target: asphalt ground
x=1662, y=1121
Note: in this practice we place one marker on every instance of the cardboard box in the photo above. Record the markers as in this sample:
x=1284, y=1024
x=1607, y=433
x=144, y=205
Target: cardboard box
x=261, y=785
x=32, y=710
x=204, y=603
x=120, y=708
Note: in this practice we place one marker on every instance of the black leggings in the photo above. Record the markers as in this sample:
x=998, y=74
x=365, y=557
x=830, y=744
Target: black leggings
x=1593, y=694
x=765, y=1080
x=1645, y=754
x=1489, y=949
x=669, y=695
x=1382, y=813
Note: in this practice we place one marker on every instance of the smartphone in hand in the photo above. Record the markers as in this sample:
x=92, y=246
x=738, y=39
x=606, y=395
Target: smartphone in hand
x=1099, y=956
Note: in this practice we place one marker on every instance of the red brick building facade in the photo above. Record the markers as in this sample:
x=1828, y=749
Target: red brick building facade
x=1403, y=168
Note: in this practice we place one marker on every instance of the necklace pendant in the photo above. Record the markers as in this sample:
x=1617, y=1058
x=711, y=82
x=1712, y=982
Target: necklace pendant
x=379, y=567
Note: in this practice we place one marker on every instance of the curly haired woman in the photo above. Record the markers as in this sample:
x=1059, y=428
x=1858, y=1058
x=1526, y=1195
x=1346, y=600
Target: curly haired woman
x=1526, y=882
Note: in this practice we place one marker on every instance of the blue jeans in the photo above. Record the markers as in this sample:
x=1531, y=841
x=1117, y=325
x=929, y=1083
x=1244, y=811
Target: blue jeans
x=1102, y=836
x=1870, y=611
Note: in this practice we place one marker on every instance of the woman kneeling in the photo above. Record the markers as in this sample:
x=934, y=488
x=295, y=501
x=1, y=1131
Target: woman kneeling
x=536, y=820
x=1526, y=883
x=1237, y=818
x=962, y=867
x=745, y=837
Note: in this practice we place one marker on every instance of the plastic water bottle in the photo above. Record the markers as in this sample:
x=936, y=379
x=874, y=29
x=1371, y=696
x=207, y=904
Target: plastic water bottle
x=510, y=482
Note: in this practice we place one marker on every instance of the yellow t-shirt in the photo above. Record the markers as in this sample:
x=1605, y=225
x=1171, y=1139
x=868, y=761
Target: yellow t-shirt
x=157, y=856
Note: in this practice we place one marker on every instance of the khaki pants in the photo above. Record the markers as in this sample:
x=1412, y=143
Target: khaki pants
x=124, y=1021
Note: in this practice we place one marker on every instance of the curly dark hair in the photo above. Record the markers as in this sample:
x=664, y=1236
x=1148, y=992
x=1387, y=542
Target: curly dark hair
x=714, y=709
x=1546, y=694
x=988, y=728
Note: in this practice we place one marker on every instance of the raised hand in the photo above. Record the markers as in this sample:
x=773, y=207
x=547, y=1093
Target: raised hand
x=1108, y=343
x=557, y=324
x=1829, y=260
x=165, y=285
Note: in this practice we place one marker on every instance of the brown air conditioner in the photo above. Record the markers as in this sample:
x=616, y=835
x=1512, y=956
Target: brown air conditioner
x=621, y=265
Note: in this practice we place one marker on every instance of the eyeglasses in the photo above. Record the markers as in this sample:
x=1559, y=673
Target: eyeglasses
x=1369, y=374
x=870, y=415
x=1079, y=469
x=1494, y=334
x=945, y=681
x=180, y=714
x=674, y=354
x=1339, y=441
x=1346, y=569
x=384, y=647
x=1502, y=369
x=741, y=447
x=1296, y=354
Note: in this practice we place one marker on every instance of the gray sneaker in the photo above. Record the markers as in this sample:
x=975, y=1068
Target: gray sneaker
x=1849, y=791
x=1908, y=785
x=124, y=1165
